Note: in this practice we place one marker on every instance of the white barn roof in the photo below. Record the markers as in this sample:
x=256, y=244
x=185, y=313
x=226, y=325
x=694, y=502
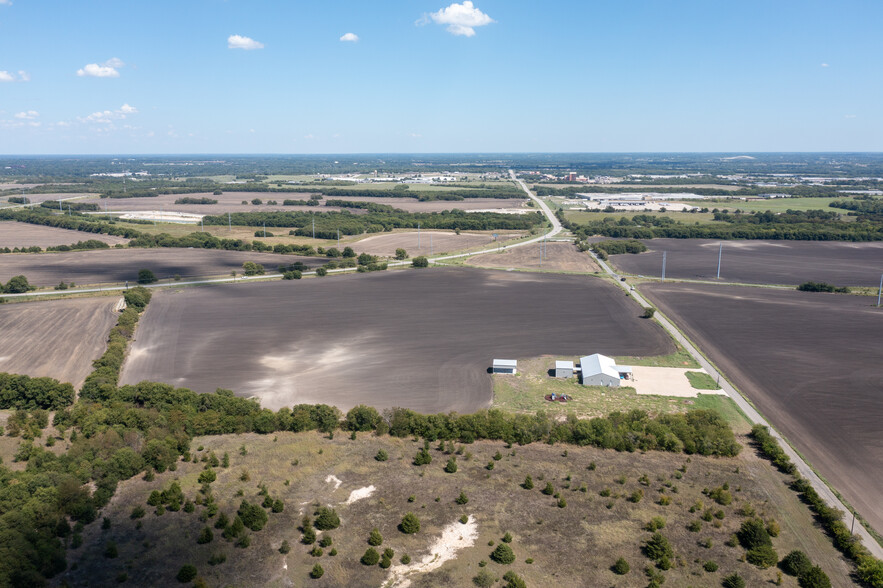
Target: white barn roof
x=506, y=363
x=563, y=365
x=598, y=364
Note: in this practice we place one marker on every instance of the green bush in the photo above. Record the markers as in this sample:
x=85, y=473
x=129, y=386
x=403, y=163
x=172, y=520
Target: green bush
x=796, y=563
x=503, y=554
x=145, y=276
x=253, y=516
x=549, y=490
x=814, y=577
x=451, y=466
x=709, y=566
x=528, y=483
x=753, y=534
x=317, y=572
x=462, y=498
x=285, y=547
x=326, y=519
x=371, y=557
x=621, y=567
x=375, y=538
x=205, y=536
x=186, y=574
x=733, y=581
x=420, y=261
x=655, y=524
x=658, y=547
x=513, y=580
x=763, y=556
x=410, y=524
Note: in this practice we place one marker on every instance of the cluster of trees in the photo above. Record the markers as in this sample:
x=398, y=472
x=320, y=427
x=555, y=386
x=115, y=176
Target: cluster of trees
x=798, y=227
x=69, y=206
x=869, y=568
x=614, y=247
x=864, y=207
x=78, y=246
x=191, y=200
x=328, y=223
x=19, y=200
x=251, y=268
x=75, y=222
x=16, y=285
x=26, y=393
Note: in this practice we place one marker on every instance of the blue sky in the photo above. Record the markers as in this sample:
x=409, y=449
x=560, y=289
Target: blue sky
x=237, y=76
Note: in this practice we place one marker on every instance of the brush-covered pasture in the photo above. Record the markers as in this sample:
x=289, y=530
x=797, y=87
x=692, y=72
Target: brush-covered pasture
x=599, y=509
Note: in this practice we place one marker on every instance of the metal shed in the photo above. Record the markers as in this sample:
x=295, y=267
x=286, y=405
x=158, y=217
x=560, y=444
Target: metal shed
x=505, y=366
x=563, y=369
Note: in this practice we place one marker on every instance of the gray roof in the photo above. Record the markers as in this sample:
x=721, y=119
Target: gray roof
x=506, y=363
x=563, y=365
x=598, y=364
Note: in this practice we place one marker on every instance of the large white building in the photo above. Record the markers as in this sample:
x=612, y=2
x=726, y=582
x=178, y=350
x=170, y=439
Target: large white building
x=600, y=370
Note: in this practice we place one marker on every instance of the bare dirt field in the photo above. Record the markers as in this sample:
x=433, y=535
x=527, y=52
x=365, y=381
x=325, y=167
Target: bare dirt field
x=427, y=242
x=571, y=546
x=232, y=202
x=559, y=257
x=58, y=339
x=13, y=234
x=422, y=339
x=118, y=265
x=53, y=196
x=761, y=262
x=809, y=362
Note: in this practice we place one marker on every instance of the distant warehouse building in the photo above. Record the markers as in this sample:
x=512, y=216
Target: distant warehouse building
x=505, y=366
x=563, y=369
x=600, y=370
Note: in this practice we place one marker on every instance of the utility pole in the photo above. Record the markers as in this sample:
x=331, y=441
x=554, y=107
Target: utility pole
x=202, y=223
x=338, y=238
x=663, y=266
x=430, y=244
x=418, y=236
x=265, y=231
x=719, y=253
x=229, y=223
x=880, y=291
x=314, y=228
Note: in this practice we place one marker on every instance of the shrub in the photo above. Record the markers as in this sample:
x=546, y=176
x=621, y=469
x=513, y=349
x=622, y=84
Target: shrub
x=110, y=550
x=484, y=579
x=253, y=516
x=186, y=574
x=870, y=571
x=137, y=512
x=658, y=547
x=285, y=547
x=326, y=541
x=709, y=566
x=381, y=455
x=422, y=457
x=796, y=563
x=406, y=559
x=507, y=538
x=763, y=556
x=695, y=526
x=145, y=276
x=513, y=580
x=292, y=275
x=503, y=554
x=309, y=536
x=317, y=572
x=733, y=581
x=655, y=524
x=648, y=312
x=621, y=567
x=753, y=534
x=451, y=466
x=217, y=559
x=410, y=524
x=375, y=538
x=371, y=557
x=636, y=496
x=814, y=577
x=327, y=519
x=205, y=536
x=528, y=483
x=549, y=490
x=420, y=261
x=207, y=476
x=462, y=498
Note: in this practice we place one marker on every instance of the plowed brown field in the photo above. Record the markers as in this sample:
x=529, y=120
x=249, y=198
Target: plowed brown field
x=558, y=257
x=13, y=234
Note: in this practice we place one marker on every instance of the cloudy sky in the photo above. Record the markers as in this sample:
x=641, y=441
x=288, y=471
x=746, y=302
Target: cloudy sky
x=256, y=76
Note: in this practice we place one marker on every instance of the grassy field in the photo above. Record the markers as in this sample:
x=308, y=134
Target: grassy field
x=702, y=381
x=679, y=358
x=608, y=499
x=579, y=217
x=526, y=392
x=775, y=204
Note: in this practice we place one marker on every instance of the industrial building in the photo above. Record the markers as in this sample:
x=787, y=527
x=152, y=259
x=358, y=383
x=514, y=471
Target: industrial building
x=600, y=370
x=563, y=369
x=505, y=366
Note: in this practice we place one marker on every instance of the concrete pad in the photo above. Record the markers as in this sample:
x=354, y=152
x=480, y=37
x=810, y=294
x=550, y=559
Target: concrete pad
x=665, y=381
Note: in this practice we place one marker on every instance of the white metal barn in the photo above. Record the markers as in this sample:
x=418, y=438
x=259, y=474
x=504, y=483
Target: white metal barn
x=563, y=369
x=505, y=366
x=600, y=370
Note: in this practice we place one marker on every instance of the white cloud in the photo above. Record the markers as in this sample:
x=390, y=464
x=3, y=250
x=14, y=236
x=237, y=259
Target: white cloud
x=240, y=42
x=8, y=76
x=27, y=115
x=350, y=37
x=848, y=116
x=825, y=65
x=6, y=2
x=108, y=116
x=106, y=70
x=461, y=18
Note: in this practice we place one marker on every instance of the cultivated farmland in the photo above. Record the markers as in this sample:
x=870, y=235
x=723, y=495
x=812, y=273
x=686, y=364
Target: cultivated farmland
x=571, y=545
x=58, y=339
x=762, y=262
x=119, y=265
x=421, y=339
x=811, y=364
x=558, y=257
x=13, y=234
x=440, y=242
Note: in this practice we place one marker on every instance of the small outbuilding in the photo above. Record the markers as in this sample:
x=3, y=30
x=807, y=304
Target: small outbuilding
x=563, y=369
x=505, y=366
x=600, y=370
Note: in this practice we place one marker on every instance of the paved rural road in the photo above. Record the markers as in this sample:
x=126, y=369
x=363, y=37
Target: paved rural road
x=755, y=417
x=556, y=228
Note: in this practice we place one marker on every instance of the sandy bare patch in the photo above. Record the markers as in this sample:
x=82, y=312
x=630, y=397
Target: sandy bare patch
x=332, y=478
x=558, y=257
x=360, y=494
x=666, y=381
x=426, y=242
x=454, y=537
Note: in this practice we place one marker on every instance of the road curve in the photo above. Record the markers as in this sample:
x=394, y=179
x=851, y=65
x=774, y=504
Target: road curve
x=753, y=415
